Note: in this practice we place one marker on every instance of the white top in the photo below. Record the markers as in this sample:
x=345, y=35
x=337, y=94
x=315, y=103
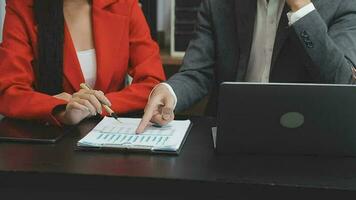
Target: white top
x=263, y=7
x=266, y=25
x=87, y=61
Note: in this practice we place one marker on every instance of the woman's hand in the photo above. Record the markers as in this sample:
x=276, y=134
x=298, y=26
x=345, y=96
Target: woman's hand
x=82, y=105
x=63, y=96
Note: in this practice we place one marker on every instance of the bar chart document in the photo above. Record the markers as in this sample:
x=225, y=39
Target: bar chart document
x=110, y=134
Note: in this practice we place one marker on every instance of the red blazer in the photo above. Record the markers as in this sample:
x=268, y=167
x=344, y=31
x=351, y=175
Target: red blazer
x=123, y=46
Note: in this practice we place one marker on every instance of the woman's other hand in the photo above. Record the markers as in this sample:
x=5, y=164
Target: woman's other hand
x=82, y=105
x=63, y=96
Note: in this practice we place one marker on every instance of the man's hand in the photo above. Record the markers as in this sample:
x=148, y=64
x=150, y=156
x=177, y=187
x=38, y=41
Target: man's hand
x=159, y=108
x=295, y=5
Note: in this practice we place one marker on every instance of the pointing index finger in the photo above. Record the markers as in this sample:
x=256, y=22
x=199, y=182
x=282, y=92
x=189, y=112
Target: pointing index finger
x=145, y=119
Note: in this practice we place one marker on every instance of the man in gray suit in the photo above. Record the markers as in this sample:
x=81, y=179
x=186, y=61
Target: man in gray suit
x=298, y=41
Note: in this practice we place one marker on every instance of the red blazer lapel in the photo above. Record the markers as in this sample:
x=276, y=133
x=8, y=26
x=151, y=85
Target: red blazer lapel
x=103, y=3
x=108, y=31
x=71, y=67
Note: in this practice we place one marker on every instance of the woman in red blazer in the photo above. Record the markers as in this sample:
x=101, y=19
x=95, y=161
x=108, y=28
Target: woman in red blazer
x=50, y=47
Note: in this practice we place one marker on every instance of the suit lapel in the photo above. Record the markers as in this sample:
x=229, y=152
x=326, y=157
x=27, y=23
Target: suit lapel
x=245, y=18
x=282, y=34
x=71, y=67
x=108, y=32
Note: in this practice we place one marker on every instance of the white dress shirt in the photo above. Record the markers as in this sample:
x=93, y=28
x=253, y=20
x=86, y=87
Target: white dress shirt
x=87, y=60
x=266, y=25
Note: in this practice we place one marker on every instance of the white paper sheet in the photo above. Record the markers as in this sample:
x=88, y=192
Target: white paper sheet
x=111, y=133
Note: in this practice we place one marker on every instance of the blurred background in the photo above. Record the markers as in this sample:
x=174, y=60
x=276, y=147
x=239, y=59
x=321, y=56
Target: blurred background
x=2, y=13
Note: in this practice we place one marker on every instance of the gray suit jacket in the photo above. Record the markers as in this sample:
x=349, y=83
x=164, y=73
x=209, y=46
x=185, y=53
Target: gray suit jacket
x=319, y=48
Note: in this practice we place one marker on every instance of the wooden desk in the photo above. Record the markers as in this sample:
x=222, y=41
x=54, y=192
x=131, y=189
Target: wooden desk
x=58, y=171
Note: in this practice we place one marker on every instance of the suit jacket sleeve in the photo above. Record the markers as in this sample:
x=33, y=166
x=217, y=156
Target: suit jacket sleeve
x=331, y=47
x=196, y=76
x=18, y=99
x=146, y=66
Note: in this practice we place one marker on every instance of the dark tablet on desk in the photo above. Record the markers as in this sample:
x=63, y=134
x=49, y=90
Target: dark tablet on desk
x=12, y=130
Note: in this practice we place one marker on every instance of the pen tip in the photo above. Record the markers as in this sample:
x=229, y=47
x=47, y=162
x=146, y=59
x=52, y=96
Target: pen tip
x=115, y=116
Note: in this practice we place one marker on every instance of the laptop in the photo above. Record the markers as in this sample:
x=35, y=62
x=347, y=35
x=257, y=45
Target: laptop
x=293, y=119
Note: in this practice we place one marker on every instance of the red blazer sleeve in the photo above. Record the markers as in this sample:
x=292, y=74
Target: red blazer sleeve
x=146, y=66
x=17, y=96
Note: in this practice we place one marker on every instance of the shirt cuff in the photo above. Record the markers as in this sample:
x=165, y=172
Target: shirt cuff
x=293, y=17
x=170, y=89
